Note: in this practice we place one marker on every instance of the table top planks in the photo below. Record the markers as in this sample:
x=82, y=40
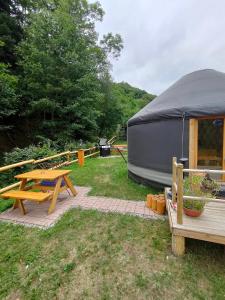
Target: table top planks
x=43, y=174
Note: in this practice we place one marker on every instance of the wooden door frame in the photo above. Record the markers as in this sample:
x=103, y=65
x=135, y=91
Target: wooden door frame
x=223, y=163
x=193, y=141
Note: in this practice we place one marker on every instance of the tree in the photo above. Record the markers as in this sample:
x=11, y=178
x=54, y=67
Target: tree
x=63, y=66
x=130, y=99
x=13, y=14
x=111, y=114
x=8, y=97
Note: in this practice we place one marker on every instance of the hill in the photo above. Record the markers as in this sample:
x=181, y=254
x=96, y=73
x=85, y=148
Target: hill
x=130, y=99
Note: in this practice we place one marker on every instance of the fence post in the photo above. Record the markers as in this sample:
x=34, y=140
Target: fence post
x=179, y=194
x=174, y=179
x=68, y=157
x=81, y=157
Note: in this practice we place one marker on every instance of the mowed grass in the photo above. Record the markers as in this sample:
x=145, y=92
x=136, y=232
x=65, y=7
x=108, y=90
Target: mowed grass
x=91, y=255
x=109, y=177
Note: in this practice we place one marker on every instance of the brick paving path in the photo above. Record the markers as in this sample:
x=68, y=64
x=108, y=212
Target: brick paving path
x=37, y=213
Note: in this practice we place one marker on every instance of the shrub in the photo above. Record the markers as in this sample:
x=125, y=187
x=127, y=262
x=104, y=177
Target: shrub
x=17, y=155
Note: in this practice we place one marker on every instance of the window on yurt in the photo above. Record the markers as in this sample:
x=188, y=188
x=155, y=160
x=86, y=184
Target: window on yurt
x=210, y=143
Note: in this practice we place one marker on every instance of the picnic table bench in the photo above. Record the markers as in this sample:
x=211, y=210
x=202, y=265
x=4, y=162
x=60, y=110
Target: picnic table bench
x=26, y=195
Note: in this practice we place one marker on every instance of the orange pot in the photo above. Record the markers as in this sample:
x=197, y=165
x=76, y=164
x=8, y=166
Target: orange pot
x=161, y=205
x=192, y=213
x=149, y=201
x=154, y=202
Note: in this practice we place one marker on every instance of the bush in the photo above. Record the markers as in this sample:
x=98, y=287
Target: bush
x=17, y=155
x=30, y=152
x=61, y=144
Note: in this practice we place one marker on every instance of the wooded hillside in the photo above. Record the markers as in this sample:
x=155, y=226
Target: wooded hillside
x=55, y=80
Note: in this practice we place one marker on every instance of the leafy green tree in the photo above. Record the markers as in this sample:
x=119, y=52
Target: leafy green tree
x=111, y=114
x=130, y=99
x=63, y=66
x=13, y=14
x=8, y=97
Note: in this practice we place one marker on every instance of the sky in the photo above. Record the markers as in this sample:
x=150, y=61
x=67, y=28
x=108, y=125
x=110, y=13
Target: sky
x=165, y=39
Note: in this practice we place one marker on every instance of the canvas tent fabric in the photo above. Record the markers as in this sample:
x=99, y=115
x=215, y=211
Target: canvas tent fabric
x=198, y=94
x=160, y=130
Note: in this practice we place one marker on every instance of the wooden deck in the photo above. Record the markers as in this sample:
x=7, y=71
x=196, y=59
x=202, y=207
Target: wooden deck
x=210, y=226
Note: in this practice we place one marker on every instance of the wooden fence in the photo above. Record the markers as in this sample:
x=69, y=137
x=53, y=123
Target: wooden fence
x=77, y=156
x=178, y=196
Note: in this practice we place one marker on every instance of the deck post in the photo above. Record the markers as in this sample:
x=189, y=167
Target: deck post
x=174, y=179
x=178, y=245
x=179, y=194
x=81, y=157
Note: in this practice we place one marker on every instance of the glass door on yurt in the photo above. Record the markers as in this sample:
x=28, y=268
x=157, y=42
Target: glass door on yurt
x=211, y=144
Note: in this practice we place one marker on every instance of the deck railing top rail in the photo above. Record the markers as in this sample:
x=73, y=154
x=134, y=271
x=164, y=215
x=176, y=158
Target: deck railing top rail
x=209, y=171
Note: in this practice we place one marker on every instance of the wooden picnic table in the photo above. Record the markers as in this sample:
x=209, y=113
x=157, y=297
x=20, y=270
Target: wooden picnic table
x=56, y=176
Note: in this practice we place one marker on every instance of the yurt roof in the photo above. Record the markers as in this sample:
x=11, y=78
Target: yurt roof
x=198, y=94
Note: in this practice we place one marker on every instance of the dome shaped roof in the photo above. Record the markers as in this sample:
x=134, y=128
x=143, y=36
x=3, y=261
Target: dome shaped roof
x=198, y=94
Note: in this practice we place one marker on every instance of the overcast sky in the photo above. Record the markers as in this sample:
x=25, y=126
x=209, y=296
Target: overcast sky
x=165, y=39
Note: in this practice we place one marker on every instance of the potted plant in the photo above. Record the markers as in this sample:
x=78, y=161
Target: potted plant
x=209, y=185
x=193, y=208
x=193, y=186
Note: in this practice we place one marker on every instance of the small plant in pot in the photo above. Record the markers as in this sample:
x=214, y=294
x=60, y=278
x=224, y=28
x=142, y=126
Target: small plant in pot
x=193, y=208
x=209, y=185
x=193, y=187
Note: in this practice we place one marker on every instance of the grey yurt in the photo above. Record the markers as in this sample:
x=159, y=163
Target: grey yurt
x=186, y=121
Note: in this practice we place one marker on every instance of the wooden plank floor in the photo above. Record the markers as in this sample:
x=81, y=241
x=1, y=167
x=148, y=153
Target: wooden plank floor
x=210, y=226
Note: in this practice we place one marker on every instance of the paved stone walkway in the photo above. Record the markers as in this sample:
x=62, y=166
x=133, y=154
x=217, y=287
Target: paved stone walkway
x=37, y=213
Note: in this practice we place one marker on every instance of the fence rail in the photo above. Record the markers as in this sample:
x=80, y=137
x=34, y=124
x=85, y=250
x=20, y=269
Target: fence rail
x=51, y=157
x=19, y=164
x=79, y=158
x=178, y=187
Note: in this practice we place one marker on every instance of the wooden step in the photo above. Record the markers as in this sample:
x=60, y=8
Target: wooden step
x=27, y=195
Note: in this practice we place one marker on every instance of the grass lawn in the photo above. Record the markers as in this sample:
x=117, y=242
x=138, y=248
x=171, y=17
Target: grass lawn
x=91, y=255
x=108, y=177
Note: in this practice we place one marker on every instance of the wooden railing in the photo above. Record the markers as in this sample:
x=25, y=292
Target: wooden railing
x=117, y=149
x=178, y=196
x=122, y=147
x=71, y=157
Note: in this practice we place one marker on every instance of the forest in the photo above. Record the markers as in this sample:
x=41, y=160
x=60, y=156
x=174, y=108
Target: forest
x=55, y=75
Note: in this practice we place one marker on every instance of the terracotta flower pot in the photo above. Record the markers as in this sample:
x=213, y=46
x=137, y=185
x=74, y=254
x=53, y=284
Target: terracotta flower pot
x=154, y=202
x=192, y=213
x=161, y=205
x=149, y=200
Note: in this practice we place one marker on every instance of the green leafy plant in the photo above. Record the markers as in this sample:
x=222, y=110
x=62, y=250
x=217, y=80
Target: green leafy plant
x=209, y=185
x=193, y=187
x=194, y=205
